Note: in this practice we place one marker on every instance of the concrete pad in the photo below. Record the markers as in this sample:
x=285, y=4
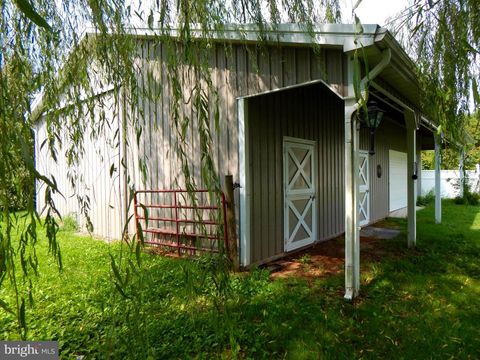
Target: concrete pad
x=403, y=212
x=379, y=233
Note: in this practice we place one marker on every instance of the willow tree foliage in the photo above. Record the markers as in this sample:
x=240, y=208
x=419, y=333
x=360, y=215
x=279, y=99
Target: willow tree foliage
x=44, y=55
x=444, y=37
x=43, y=52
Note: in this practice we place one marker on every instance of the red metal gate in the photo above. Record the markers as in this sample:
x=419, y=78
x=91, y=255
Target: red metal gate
x=178, y=219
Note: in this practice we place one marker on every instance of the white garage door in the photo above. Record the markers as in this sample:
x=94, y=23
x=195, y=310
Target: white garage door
x=398, y=179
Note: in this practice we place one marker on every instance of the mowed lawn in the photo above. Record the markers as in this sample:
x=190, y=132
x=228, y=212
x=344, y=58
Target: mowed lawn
x=418, y=303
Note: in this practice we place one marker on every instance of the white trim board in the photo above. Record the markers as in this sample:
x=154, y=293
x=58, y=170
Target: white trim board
x=244, y=174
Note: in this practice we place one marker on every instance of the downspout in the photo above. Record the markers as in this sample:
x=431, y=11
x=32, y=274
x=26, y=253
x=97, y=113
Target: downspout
x=352, y=230
x=386, y=57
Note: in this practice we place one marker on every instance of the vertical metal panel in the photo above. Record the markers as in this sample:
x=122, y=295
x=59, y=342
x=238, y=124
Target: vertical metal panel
x=222, y=136
x=334, y=69
x=317, y=64
x=93, y=179
x=302, y=62
x=264, y=70
x=289, y=66
x=232, y=124
x=276, y=75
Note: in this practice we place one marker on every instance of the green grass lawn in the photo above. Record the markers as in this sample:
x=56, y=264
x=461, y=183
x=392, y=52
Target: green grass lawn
x=416, y=304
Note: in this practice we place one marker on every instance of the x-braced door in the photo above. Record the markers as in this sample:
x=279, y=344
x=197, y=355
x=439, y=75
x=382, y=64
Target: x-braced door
x=364, y=189
x=300, y=189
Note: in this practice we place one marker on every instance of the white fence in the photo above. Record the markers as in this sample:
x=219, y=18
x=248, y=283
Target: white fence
x=450, y=181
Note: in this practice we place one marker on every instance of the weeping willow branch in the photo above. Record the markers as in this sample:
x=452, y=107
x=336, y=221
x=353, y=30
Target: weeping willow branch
x=444, y=37
x=68, y=68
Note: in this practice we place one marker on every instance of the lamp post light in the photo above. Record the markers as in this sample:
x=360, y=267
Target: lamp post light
x=372, y=120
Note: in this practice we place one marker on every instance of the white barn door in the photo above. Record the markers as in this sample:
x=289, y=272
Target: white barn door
x=364, y=189
x=398, y=179
x=300, y=189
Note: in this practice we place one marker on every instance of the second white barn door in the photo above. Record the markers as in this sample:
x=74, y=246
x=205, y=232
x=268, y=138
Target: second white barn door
x=364, y=189
x=300, y=190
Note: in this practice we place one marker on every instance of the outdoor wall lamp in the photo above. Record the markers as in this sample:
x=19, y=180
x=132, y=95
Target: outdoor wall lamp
x=372, y=120
x=415, y=171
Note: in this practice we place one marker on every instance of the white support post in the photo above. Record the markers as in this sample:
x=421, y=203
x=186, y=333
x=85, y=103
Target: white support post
x=411, y=174
x=418, y=189
x=461, y=172
x=438, y=190
x=244, y=173
x=352, y=230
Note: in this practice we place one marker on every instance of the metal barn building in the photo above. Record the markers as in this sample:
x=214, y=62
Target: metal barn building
x=287, y=135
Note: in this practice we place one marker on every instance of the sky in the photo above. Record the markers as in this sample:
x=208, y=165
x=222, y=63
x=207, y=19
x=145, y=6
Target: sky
x=373, y=11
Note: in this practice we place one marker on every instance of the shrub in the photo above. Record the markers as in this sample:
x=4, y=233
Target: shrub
x=426, y=199
x=460, y=200
x=472, y=198
x=70, y=223
x=469, y=197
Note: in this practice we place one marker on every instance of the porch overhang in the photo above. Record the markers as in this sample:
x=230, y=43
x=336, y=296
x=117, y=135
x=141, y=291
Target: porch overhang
x=393, y=82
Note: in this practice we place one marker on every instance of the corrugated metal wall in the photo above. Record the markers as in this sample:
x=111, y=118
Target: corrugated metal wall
x=310, y=112
x=237, y=71
x=92, y=174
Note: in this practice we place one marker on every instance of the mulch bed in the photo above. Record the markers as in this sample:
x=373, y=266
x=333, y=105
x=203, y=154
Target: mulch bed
x=325, y=259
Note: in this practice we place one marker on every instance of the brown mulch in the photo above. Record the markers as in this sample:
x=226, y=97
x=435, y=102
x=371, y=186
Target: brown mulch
x=325, y=259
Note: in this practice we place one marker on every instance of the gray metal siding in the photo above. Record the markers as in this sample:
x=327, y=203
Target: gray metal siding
x=92, y=174
x=311, y=112
x=237, y=71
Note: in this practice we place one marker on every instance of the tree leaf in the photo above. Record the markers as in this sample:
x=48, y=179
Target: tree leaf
x=21, y=315
x=356, y=4
x=112, y=169
x=138, y=256
x=25, y=7
x=5, y=307
x=358, y=26
x=120, y=290
x=116, y=271
x=476, y=95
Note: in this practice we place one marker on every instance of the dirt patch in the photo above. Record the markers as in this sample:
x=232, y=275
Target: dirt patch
x=326, y=259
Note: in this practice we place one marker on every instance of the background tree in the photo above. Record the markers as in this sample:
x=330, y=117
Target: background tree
x=443, y=36
x=450, y=154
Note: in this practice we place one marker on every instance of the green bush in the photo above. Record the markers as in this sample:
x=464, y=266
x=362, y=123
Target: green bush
x=18, y=188
x=70, y=223
x=472, y=198
x=469, y=197
x=460, y=200
x=426, y=199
